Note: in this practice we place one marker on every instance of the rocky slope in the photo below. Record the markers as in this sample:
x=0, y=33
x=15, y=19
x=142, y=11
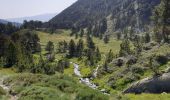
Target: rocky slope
x=119, y=13
x=157, y=84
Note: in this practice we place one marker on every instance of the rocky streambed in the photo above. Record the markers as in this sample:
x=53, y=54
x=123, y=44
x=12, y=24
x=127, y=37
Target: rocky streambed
x=87, y=81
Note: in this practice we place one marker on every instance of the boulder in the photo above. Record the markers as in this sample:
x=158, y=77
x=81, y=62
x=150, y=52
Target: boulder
x=149, y=46
x=156, y=84
x=119, y=61
x=131, y=60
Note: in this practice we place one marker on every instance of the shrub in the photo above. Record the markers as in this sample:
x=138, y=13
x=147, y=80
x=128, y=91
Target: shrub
x=88, y=94
x=41, y=93
x=137, y=70
x=2, y=91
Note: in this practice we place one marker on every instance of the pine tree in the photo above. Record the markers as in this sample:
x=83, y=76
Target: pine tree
x=105, y=66
x=62, y=47
x=166, y=22
x=82, y=33
x=24, y=58
x=119, y=35
x=147, y=38
x=161, y=19
x=49, y=47
x=109, y=56
x=138, y=45
x=62, y=64
x=76, y=36
x=98, y=54
x=72, y=48
x=11, y=55
x=125, y=48
x=90, y=43
x=80, y=48
x=103, y=27
x=39, y=68
x=90, y=57
x=157, y=34
x=106, y=39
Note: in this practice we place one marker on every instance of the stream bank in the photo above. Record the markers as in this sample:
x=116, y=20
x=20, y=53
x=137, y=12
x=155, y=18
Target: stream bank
x=87, y=81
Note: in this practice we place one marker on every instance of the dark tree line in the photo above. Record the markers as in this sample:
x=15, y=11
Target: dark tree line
x=32, y=24
x=8, y=28
x=16, y=50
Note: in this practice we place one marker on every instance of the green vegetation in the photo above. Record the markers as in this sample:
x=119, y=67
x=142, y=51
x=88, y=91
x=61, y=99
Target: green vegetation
x=162, y=96
x=2, y=91
x=40, y=63
x=60, y=87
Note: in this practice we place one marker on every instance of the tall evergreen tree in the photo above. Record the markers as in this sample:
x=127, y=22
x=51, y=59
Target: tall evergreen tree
x=90, y=43
x=98, y=54
x=109, y=56
x=103, y=27
x=11, y=55
x=105, y=66
x=125, y=48
x=24, y=58
x=90, y=57
x=82, y=33
x=166, y=18
x=76, y=35
x=138, y=45
x=72, y=48
x=80, y=48
x=147, y=38
x=157, y=34
x=49, y=47
x=62, y=47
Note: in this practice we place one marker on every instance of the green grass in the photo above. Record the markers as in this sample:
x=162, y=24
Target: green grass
x=149, y=96
x=113, y=45
x=56, y=87
x=85, y=71
x=55, y=38
x=7, y=71
x=65, y=35
x=69, y=71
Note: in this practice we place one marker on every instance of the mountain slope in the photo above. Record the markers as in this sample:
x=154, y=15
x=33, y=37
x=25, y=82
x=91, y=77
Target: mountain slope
x=43, y=18
x=121, y=13
x=3, y=21
x=13, y=23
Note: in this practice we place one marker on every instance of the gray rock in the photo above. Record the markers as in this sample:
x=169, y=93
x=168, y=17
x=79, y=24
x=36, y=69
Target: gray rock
x=119, y=61
x=157, y=84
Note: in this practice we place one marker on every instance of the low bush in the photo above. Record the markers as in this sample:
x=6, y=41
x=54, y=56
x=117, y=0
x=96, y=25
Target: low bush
x=89, y=94
x=2, y=91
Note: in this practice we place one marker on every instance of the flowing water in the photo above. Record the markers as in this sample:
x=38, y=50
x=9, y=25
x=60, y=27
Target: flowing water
x=87, y=81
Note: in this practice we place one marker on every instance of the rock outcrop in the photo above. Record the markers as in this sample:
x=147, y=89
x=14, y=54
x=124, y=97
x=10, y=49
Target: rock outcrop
x=157, y=84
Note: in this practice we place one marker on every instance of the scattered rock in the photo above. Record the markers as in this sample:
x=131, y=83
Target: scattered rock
x=131, y=59
x=149, y=46
x=162, y=59
x=119, y=61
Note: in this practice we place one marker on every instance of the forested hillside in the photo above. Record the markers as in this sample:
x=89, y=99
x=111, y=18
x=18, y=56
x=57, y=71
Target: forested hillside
x=119, y=13
x=84, y=61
